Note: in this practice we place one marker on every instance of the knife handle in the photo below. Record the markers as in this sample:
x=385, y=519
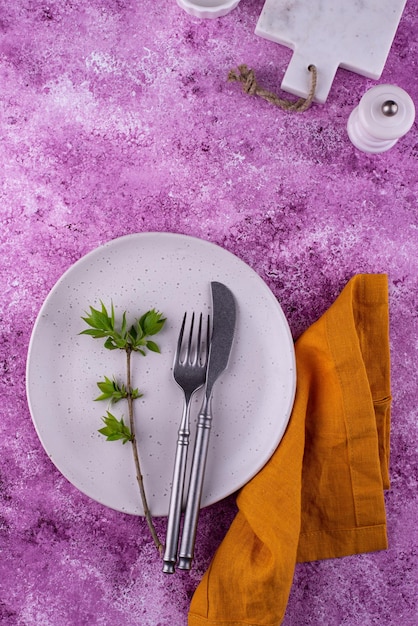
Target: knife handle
x=176, y=497
x=194, y=494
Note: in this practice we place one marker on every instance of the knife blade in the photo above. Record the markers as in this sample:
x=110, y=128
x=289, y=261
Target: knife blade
x=223, y=330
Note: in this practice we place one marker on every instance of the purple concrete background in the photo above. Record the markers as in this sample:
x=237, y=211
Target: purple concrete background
x=116, y=117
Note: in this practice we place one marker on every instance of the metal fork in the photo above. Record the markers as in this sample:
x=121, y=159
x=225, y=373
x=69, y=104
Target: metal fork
x=189, y=371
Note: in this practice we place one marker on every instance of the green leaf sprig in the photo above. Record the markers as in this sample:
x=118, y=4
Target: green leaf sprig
x=115, y=429
x=113, y=391
x=134, y=338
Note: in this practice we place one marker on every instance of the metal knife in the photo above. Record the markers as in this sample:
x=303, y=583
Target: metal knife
x=224, y=317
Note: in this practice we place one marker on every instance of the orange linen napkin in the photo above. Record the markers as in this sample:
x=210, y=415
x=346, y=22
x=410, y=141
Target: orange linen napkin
x=321, y=494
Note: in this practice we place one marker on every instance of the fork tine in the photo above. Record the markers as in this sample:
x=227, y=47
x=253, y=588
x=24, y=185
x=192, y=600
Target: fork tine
x=188, y=356
x=180, y=339
x=203, y=343
x=199, y=342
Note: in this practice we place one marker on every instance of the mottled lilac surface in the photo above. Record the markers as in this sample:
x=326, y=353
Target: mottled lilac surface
x=116, y=117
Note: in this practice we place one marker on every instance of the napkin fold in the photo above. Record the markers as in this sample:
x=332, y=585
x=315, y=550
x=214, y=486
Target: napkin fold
x=321, y=494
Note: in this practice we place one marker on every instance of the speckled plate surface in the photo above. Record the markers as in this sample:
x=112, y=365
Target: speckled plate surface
x=252, y=401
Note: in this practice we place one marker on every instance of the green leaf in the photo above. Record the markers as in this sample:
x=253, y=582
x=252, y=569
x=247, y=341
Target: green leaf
x=135, y=336
x=120, y=342
x=100, y=319
x=151, y=345
x=123, y=327
x=110, y=319
x=94, y=332
x=136, y=333
x=111, y=390
x=152, y=322
x=135, y=394
x=101, y=325
x=110, y=344
x=115, y=429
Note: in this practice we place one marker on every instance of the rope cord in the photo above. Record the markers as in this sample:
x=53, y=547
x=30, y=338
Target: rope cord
x=249, y=85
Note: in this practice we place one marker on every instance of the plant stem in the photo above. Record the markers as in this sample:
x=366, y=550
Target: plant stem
x=139, y=476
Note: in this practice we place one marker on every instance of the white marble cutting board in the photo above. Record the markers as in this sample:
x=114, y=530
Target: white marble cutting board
x=353, y=34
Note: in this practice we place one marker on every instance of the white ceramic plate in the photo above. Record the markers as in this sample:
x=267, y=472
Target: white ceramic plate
x=252, y=400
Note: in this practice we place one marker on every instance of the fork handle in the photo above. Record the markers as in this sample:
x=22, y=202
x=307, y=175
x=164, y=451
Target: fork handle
x=176, y=501
x=194, y=494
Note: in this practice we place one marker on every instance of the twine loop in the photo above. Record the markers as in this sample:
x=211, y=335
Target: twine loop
x=250, y=86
